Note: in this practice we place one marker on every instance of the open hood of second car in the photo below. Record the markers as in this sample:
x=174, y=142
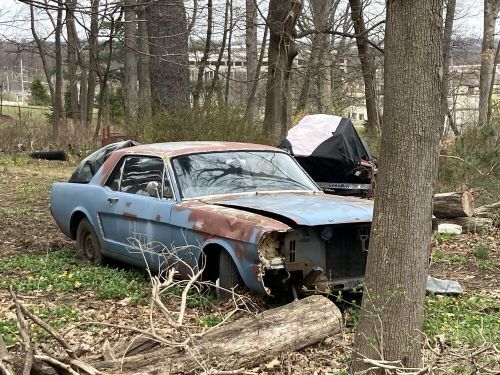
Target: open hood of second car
x=302, y=208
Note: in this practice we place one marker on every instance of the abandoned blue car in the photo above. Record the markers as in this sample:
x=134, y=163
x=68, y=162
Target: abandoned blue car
x=247, y=213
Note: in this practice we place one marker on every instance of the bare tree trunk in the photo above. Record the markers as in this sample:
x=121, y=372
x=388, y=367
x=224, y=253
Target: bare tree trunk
x=392, y=310
x=168, y=64
x=43, y=54
x=229, y=62
x=367, y=61
x=73, y=50
x=251, y=56
x=93, y=62
x=491, y=8
x=490, y=93
x=144, y=96
x=103, y=79
x=130, y=30
x=204, y=59
x=448, y=29
x=214, y=86
x=337, y=69
x=282, y=17
x=255, y=82
x=83, y=88
x=311, y=70
x=58, y=94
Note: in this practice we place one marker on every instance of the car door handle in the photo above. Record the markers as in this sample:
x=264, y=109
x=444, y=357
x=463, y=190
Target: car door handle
x=112, y=200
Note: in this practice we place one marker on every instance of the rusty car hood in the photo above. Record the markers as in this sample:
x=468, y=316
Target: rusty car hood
x=302, y=208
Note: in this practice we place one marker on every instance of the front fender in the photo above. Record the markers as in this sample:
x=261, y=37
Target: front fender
x=246, y=258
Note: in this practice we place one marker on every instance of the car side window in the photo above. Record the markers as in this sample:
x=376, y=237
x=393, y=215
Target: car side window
x=139, y=171
x=113, y=181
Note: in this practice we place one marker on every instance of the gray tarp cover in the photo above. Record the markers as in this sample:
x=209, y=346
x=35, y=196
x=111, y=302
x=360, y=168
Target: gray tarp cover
x=91, y=164
x=439, y=286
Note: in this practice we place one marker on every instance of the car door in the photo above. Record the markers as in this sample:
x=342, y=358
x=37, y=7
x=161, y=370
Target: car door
x=136, y=225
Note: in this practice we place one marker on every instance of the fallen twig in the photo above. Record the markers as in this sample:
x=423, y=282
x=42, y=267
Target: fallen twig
x=23, y=327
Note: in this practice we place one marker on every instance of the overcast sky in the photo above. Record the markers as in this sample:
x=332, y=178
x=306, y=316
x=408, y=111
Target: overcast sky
x=14, y=21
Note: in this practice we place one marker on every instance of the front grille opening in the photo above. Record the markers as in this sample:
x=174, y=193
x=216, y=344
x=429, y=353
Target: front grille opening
x=291, y=251
x=347, y=250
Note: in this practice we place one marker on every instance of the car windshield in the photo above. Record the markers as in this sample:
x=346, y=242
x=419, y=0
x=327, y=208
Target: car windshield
x=238, y=171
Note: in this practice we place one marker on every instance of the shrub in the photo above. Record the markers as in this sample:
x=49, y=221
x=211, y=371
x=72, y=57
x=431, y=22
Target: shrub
x=200, y=124
x=39, y=95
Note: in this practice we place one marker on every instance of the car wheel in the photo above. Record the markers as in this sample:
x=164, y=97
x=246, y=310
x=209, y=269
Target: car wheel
x=229, y=277
x=88, y=246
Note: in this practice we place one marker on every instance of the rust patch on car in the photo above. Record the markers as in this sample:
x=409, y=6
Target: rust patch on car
x=228, y=222
x=129, y=215
x=157, y=217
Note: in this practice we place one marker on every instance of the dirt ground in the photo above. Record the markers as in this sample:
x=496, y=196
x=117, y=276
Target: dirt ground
x=26, y=226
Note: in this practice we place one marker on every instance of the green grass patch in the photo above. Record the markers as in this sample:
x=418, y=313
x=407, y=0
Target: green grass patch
x=438, y=256
x=458, y=259
x=481, y=251
x=60, y=271
x=59, y=317
x=209, y=321
x=444, y=237
x=464, y=321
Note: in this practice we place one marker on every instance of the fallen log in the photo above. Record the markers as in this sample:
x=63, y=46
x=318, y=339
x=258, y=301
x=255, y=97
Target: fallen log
x=456, y=204
x=471, y=224
x=491, y=211
x=245, y=342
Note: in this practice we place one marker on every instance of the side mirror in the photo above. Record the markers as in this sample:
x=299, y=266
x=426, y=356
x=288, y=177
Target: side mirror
x=153, y=189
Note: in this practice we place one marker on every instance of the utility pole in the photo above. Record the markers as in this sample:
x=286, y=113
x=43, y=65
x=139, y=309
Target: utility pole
x=1, y=99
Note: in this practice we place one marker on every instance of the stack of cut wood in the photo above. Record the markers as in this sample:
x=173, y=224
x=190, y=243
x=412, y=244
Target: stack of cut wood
x=458, y=208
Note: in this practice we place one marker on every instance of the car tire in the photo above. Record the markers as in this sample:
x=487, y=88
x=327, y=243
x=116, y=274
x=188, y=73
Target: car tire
x=88, y=246
x=229, y=277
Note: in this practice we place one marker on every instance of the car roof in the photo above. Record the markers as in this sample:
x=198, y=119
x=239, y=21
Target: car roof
x=171, y=149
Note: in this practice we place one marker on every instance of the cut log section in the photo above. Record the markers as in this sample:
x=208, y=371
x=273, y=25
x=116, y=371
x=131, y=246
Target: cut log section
x=456, y=204
x=471, y=224
x=242, y=343
x=491, y=211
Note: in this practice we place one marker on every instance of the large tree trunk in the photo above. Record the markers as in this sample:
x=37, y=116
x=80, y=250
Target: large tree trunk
x=282, y=17
x=93, y=62
x=169, y=65
x=322, y=9
x=246, y=342
x=130, y=30
x=491, y=8
x=447, y=33
x=251, y=55
x=73, y=50
x=456, y=204
x=367, y=61
x=144, y=110
x=392, y=309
